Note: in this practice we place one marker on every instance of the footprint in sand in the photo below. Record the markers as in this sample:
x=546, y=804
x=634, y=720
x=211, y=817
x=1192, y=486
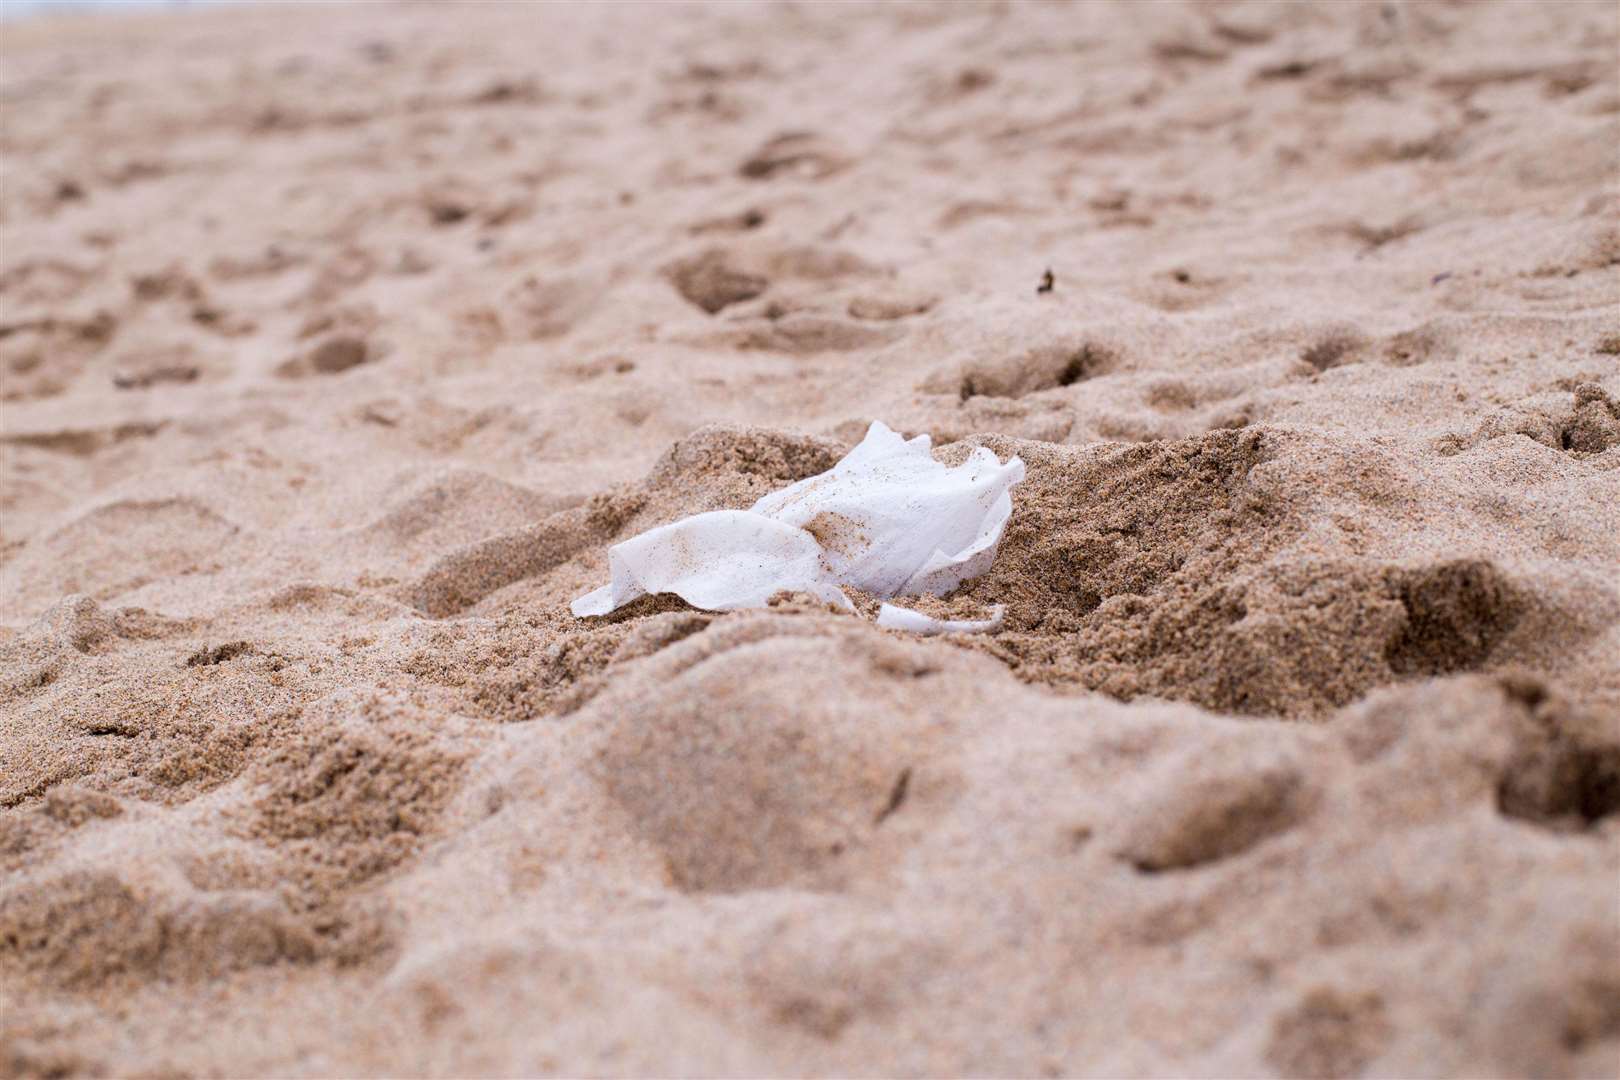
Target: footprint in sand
x=798, y=154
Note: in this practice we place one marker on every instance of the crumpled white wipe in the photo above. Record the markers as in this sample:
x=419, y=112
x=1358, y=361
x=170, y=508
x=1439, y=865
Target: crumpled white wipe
x=887, y=519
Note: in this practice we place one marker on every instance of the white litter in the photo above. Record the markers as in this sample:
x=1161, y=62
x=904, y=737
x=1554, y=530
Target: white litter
x=899, y=618
x=887, y=519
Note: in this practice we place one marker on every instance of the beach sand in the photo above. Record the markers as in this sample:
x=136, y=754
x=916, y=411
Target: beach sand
x=338, y=344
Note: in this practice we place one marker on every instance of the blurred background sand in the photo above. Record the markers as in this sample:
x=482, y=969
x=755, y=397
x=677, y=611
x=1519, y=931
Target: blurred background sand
x=337, y=344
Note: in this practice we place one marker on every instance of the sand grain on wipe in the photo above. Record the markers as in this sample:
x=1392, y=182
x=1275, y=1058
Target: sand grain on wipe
x=337, y=345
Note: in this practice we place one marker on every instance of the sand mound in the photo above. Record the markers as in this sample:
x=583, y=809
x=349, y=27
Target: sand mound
x=335, y=352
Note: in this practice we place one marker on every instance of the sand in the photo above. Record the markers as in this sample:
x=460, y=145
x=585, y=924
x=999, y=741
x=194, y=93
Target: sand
x=338, y=344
